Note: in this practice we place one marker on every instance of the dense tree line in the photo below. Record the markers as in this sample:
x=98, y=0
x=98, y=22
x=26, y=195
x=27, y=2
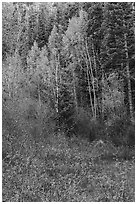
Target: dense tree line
x=76, y=59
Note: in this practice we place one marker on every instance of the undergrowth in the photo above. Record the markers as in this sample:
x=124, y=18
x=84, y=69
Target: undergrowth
x=57, y=171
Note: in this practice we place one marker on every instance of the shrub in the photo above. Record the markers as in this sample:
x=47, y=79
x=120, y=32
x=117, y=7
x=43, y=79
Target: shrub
x=86, y=127
x=83, y=127
x=130, y=132
x=112, y=96
x=24, y=121
x=121, y=131
x=125, y=153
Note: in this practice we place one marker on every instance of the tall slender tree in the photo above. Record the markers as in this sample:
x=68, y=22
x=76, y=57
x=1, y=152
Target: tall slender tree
x=118, y=27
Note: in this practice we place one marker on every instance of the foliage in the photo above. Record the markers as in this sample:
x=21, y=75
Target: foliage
x=121, y=131
x=12, y=77
x=117, y=24
x=68, y=86
x=84, y=126
x=112, y=97
x=9, y=27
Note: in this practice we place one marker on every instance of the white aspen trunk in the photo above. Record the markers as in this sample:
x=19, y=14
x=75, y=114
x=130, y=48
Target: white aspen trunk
x=89, y=88
x=128, y=78
x=100, y=86
x=92, y=78
x=128, y=75
x=95, y=67
x=74, y=90
x=39, y=97
x=102, y=99
x=90, y=93
x=39, y=103
x=94, y=59
x=81, y=69
x=56, y=79
x=60, y=78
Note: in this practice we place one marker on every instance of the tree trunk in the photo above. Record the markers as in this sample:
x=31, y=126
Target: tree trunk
x=39, y=98
x=56, y=79
x=39, y=101
x=81, y=100
x=92, y=79
x=74, y=89
x=94, y=59
x=128, y=77
x=89, y=88
x=100, y=87
x=96, y=75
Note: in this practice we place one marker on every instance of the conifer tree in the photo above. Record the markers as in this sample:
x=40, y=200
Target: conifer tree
x=118, y=34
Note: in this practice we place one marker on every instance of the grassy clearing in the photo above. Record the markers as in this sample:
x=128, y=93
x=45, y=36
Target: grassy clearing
x=57, y=172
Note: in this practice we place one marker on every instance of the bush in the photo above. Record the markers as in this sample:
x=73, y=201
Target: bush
x=29, y=116
x=131, y=135
x=86, y=127
x=83, y=127
x=121, y=131
x=125, y=153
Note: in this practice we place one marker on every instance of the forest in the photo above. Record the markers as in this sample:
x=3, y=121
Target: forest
x=68, y=101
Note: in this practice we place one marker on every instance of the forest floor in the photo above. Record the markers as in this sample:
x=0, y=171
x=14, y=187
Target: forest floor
x=59, y=172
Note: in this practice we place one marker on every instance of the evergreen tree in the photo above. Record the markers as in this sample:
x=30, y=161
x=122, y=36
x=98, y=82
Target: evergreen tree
x=45, y=24
x=118, y=32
